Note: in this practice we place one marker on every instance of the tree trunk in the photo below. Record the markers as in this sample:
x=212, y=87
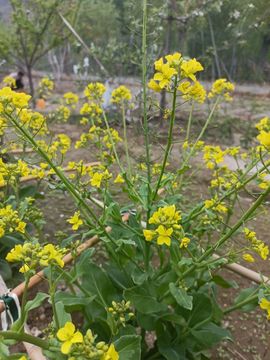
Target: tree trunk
x=30, y=80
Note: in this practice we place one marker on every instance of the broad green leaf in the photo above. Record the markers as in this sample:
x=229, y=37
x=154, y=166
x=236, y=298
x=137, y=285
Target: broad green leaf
x=129, y=347
x=97, y=282
x=210, y=334
x=181, y=296
x=143, y=300
x=172, y=352
x=62, y=315
x=202, y=310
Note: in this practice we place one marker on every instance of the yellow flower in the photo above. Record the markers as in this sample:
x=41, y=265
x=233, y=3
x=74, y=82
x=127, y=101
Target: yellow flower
x=111, y=354
x=9, y=81
x=69, y=336
x=96, y=179
x=21, y=227
x=119, y=179
x=23, y=269
x=49, y=254
x=164, y=235
x=121, y=94
x=2, y=231
x=95, y=91
x=264, y=138
x=249, y=258
x=265, y=305
x=222, y=87
x=194, y=91
x=23, y=358
x=148, y=234
x=190, y=68
x=174, y=59
x=15, y=254
x=184, y=242
x=164, y=75
x=153, y=85
x=75, y=221
x=71, y=98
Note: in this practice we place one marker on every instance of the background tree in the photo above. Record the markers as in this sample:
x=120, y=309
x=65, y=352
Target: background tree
x=33, y=30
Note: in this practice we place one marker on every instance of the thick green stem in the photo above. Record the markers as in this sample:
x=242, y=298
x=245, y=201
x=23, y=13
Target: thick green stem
x=22, y=337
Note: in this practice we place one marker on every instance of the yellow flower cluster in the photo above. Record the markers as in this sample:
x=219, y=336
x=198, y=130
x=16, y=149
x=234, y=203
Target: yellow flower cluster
x=61, y=113
x=11, y=172
x=74, y=344
x=102, y=138
x=61, y=144
x=10, y=221
x=175, y=68
x=222, y=87
x=93, y=110
x=264, y=128
x=33, y=255
x=45, y=87
x=33, y=120
x=95, y=92
x=224, y=178
x=213, y=155
x=100, y=176
x=215, y=205
x=120, y=95
x=10, y=99
x=257, y=245
x=9, y=81
x=71, y=98
x=167, y=220
x=193, y=91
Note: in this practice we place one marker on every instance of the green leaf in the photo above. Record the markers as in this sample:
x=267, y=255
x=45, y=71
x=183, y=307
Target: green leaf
x=243, y=295
x=219, y=280
x=97, y=282
x=129, y=347
x=62, y=315
x=181, y=296
x=202, y=310
x=172, y=352
x=73, y=302
x=144, y=300
x=36, y=302
x=210, y=334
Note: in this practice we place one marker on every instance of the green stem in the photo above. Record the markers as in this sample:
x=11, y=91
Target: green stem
x=189, y=122
x=145, y=118
x=52, y=289
x=242, y=303
x=169, y=140
x=23, y=337
x=125, y=139
x=200, y=135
